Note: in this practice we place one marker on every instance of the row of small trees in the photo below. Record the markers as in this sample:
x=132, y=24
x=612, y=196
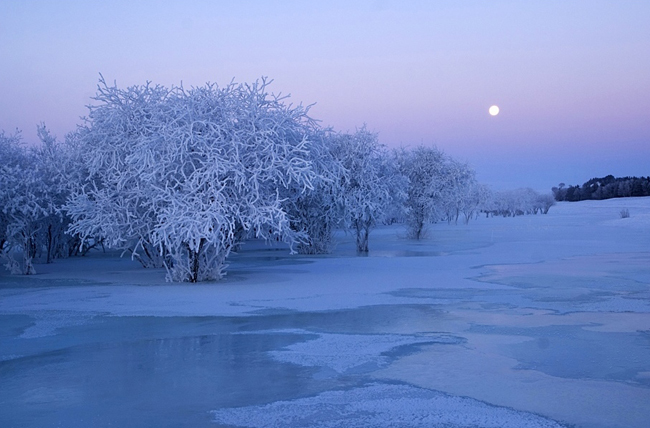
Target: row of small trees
x=179, y=178
x=518, y=202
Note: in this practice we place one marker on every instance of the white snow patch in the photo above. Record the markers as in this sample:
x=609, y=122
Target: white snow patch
x=616, y=304
x=381, y=405
x=47, y=323
x=342, y=352
x=10, y=357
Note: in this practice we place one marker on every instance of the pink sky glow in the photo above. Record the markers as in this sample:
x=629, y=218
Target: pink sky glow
x=572, y=78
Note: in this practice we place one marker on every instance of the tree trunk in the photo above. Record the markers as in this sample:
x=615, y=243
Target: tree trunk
x=194, y=260
x=363, y=230
x=29, y=252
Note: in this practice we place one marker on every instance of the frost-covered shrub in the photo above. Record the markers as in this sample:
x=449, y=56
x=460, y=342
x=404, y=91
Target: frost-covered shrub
x=178, y=176
x=625, y=213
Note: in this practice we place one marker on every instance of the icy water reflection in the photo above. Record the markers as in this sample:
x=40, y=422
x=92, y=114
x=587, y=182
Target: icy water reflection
x=147, y=376
x=79, y=370
x=578, y=353
x=155, y=371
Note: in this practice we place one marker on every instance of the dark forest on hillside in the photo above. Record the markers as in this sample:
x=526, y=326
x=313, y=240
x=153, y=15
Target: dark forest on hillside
x=603, y=188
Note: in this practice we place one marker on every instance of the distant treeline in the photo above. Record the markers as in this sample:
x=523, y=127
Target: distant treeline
x=603, y=188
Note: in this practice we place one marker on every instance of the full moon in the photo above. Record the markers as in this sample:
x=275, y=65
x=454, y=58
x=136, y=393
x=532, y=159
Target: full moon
x=494, y=110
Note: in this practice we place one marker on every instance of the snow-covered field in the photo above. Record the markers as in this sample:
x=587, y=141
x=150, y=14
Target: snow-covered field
x=534, y=321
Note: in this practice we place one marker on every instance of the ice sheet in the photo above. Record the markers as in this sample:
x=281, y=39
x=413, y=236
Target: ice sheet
x=526, y=320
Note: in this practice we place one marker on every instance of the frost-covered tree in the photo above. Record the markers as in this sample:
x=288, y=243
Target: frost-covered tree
x=367, y=186
x=11, y=169
x=59, y=175
x=24, y=201
x=476, y=196
x=184, y=173
x=460, y=190
x=545, y=202
x=425, y=169
x=315, y=213
x=34, y=185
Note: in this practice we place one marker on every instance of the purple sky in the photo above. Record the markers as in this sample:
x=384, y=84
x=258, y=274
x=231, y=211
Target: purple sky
x=572, y=78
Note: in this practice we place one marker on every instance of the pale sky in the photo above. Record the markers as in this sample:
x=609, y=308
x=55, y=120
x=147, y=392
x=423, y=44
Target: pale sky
x=572, y=78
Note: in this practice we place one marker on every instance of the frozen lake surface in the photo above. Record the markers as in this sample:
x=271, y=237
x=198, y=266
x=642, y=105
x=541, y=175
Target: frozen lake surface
x=537, y=321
